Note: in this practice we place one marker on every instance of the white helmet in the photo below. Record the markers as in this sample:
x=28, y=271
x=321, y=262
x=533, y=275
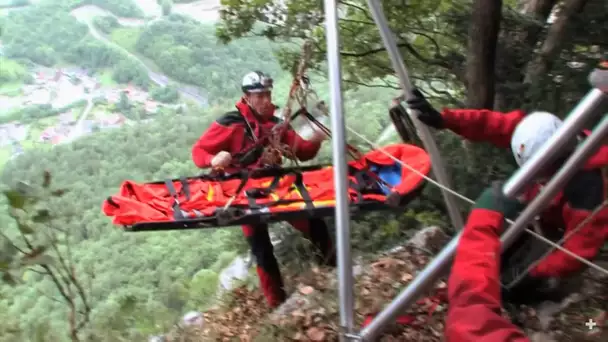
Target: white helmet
x=531, y=133
x=256, y=82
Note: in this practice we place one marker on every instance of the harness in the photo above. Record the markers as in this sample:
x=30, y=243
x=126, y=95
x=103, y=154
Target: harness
x=247, y=156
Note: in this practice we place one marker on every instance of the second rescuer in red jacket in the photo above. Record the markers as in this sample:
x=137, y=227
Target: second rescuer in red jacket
x=474, y=313
x=585, y=192
x=231, y=143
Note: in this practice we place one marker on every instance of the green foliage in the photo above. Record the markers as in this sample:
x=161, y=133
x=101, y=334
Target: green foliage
x=223, y=261
x=38, y=246
x=121, y=8
x=35, y=112
x=188, y=51
x=203, y=288
x=131, y=70
x=106, y=23
x=168, y=94
x=151, y=268
x=58, y=38
x=12, y=71
x=55, y=36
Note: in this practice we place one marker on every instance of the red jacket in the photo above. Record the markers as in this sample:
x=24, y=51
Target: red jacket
x=229, y=133
x=586, y=191
x=474, y=312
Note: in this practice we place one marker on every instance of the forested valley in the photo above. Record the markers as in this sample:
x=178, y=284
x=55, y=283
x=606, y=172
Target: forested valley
x=69, y=274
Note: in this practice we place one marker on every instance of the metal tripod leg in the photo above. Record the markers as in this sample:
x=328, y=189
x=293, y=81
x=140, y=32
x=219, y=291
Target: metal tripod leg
x=345, y=269
x=423, y=131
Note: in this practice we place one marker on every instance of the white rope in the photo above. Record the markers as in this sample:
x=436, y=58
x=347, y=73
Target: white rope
x=562, y=240
x=540, y=237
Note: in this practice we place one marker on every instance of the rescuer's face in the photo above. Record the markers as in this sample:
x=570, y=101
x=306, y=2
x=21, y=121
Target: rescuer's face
x=261, y=103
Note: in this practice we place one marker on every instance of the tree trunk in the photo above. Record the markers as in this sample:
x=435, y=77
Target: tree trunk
x=516, y=48
x=481, y=55
x=551, y=46
x=481, y=60
x=538, y=10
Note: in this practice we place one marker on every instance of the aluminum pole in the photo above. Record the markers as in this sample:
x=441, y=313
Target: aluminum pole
x=557, y=182
x=345, y=269
x=423, y=131
x=425, y=280
x=573, y=124
x=599, y=79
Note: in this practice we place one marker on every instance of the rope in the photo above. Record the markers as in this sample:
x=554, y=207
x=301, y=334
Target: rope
x=273, y=154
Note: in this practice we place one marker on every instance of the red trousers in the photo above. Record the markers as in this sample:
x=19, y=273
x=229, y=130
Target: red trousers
x=267, y=266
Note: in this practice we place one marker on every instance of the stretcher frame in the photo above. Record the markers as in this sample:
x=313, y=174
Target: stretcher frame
x=576, y=120
x=240, y=214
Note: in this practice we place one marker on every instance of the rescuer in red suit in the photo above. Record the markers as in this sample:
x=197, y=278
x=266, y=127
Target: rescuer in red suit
x=238, y=131
x=474, y=291
x=587, y=190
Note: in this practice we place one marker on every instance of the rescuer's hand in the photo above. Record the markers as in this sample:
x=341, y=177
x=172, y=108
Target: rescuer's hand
x=492, y=198
x=426, y=113
x=221, y=159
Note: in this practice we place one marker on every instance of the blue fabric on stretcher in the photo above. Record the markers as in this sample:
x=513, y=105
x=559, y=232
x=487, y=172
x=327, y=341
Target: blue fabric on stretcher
x=391, y=174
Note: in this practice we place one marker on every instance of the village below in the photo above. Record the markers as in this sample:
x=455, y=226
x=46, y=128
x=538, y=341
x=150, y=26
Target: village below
x=81, y=105
x=73, y=101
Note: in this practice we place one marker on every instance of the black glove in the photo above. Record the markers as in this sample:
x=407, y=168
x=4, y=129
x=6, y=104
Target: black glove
x=426, y=113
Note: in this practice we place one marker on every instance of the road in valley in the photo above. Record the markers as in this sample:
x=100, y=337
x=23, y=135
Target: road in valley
x=82, y=14
x=78, y=129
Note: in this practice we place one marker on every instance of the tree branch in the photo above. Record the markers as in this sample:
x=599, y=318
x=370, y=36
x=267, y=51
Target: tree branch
x=387, y=85
x=551, y=46
x=12, y=243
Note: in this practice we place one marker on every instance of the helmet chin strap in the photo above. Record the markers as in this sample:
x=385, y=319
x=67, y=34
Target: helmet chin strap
x=255, y=112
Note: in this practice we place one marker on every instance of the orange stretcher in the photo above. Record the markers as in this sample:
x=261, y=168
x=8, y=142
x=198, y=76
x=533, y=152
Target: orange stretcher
x=376, y=181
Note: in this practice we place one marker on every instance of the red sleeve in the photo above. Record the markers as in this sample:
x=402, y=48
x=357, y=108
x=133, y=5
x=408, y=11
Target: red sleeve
x=483, y=125
x=583, y=194
x=474, y=312
x=305, y=150
x=214, y=140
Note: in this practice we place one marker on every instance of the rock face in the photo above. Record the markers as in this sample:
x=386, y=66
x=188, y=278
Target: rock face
x=306, y=299
x=193, y=318
x=237, y=270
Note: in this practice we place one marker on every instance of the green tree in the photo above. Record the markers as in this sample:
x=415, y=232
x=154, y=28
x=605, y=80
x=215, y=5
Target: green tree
x=42, y=248
x=124, y=104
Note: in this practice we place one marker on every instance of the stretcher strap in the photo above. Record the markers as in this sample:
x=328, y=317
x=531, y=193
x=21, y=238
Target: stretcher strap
x=254, y=193
x=177, y=210
x=299, y=184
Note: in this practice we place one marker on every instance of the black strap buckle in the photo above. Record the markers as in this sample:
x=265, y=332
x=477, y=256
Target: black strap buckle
x=258, y=192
